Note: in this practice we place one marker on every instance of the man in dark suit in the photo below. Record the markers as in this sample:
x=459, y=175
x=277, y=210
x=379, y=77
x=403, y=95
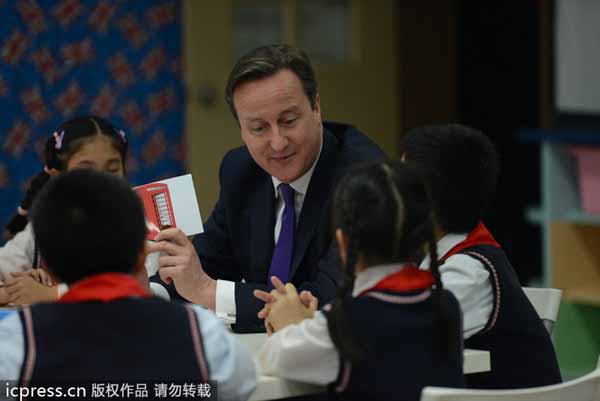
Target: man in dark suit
x=272, y=216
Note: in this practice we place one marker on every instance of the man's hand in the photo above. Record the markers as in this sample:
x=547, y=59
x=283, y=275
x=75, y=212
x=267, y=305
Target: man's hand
x=24, y=289
x=183, y=267
x=283, y=306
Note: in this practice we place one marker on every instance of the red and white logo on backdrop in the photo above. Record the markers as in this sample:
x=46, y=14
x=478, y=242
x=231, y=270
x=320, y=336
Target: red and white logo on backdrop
x=161, y=101
x=46, y=64
x=154, y=148
x=32, y=15
x=121, y=70
x=152, y=63
x=70, y=99
x=132, y=114
x=67, y=11
x=101, y=16
x=17, y=138
x=104, y=103
x=78, y=53
x=34, y=105
x=14, y=48
x=133, y=32
x=161, y=15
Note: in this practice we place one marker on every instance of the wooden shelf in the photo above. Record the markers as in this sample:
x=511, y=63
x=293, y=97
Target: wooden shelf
x=580, y=217
x=571, y=237
x=586, y=296
x=537, y=215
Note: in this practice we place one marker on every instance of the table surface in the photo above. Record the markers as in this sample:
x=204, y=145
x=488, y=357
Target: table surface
x=271, y=388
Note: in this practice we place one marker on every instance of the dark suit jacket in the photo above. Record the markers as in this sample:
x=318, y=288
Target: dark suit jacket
x=238, y=238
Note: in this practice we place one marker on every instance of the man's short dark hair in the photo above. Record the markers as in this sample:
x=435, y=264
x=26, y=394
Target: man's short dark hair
x=87, y=222
x=460, y=166
x=267, y=61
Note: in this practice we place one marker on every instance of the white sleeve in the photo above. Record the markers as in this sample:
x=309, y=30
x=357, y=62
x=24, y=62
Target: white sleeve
x=160, y=291
x=225, y=301
x=12, y=347
x=468, y=280
x=151, y=263
x=229, y=362
x=17, y=254
x=62, y=289
x=302, y=352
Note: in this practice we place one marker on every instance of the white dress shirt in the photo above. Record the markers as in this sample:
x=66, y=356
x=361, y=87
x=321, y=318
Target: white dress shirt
x=225, y=292
x=304, y=351
x=468, y=280
x=230, y=363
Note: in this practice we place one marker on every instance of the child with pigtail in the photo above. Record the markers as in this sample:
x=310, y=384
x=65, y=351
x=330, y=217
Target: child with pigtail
x=392, y=329
x=89, y=142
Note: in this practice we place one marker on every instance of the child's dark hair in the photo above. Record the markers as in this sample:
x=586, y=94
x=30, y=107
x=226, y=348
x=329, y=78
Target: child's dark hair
x=87, y=222
x=60, y=146
x=460, y=166
x=385, y=213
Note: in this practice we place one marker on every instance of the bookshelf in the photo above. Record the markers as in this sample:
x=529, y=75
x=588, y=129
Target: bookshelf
x=571, y=236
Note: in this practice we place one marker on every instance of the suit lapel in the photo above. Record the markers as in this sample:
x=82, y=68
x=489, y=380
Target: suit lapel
x=317, y=197
x=261, y=225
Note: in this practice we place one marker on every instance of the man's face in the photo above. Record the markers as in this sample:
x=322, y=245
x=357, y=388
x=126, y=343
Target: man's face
x=280, y=128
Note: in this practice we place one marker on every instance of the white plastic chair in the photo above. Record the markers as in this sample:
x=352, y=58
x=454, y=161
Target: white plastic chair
x=546, y=302
x=585, y=388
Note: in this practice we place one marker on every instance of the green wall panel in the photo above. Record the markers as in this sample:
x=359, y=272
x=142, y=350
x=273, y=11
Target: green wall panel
x=577, y=339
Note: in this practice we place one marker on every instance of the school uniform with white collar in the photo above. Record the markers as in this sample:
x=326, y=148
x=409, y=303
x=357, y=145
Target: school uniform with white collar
x=391, y=313
x=106, y=328
x=497, y=315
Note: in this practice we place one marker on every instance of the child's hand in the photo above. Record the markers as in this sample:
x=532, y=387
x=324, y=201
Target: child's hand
x=24, y=289
x=39, y=275
x=4, y=298
x=287, y=308
x=309, y=300
x=306, y=297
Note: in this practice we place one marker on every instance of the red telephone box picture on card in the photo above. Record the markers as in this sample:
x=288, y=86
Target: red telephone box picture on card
x=158, y=207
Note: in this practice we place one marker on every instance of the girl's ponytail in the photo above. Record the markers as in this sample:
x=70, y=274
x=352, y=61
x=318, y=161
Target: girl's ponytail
x=338, y=323
x=445, y=325
x=18, y=222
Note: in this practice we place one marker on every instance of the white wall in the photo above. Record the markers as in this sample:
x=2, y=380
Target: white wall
x=577, y=56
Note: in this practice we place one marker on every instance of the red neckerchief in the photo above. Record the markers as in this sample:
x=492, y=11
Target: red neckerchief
x=105, y=287
x=479, y=236
x=409, y=278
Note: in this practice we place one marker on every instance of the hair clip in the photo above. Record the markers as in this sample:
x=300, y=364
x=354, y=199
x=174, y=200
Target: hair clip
x=58, y=139
x=122, y=133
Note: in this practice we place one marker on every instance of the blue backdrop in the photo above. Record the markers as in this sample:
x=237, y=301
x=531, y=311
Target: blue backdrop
x=121, y=60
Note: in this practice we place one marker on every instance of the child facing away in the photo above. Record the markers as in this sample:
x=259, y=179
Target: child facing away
x=392, y=329
x=460, y=167
x=90, y=229
x=82, y=142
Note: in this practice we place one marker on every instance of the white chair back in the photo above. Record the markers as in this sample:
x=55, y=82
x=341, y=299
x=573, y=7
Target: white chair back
x=546, y=302
x=585, y=388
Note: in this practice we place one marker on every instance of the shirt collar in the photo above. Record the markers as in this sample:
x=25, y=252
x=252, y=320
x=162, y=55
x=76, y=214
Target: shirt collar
x=369, y=277
x=444, y=245
x=301, y=184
